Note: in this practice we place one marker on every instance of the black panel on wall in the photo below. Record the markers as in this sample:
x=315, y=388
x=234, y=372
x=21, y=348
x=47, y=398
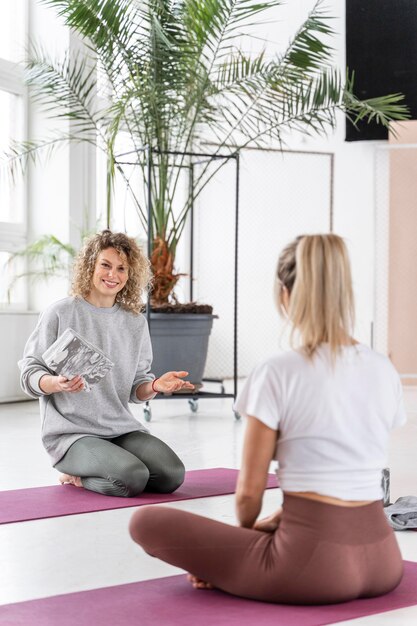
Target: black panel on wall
x=381, y=48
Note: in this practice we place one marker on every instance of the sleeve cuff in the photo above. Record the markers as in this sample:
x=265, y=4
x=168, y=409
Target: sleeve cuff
x=34, y=382
x=133, y=396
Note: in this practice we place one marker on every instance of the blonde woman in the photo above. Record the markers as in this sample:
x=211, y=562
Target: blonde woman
x=324, y=411
x=93, y=437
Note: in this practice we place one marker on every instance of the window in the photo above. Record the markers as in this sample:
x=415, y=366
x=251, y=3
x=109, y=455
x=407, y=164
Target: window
x=12, y=29
x=13, y=115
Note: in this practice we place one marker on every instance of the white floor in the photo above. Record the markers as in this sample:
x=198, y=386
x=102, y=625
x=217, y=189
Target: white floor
x=48, y=557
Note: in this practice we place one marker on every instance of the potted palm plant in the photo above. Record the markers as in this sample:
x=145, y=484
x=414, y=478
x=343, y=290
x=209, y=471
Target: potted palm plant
x=173, y=76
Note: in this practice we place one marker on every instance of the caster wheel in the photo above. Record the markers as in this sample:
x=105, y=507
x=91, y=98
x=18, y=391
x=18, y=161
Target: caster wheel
x=237, y=415
x=147, y=414
x=193, y=405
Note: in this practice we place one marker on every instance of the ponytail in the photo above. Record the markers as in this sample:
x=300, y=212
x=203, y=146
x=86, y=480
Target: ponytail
x=315, y=270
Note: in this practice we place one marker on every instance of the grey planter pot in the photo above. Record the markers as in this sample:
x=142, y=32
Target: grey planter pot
x=180, y=342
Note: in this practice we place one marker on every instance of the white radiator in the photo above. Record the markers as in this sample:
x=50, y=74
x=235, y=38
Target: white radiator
x=15, y=329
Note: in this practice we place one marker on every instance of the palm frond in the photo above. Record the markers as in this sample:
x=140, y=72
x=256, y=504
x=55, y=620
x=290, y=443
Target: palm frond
x=308, y=50
x=109, y=25
x=50, y=250
x=237, y=70
x=65, y=88
x=49, y=257
x=380, y=110
x=14, y=161
x=310, y=107
x=306, y=54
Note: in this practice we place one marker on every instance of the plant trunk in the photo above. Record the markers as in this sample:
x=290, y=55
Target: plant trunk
x=164, y=277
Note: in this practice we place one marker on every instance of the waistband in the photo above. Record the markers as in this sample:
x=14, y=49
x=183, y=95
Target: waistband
x=354, y=525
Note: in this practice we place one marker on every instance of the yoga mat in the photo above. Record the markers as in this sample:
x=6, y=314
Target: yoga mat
x=173, y=602
x=22, y=505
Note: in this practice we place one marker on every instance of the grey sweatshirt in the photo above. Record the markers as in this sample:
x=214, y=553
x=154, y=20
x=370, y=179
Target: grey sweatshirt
x=103, y=412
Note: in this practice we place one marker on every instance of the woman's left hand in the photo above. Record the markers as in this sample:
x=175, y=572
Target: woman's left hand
x=269, y=524
x=171, y=381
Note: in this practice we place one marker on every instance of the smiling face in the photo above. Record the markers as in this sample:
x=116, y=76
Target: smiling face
x=110, y=276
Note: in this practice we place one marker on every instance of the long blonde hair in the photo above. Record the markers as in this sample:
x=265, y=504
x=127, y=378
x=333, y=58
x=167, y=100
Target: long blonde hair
x=132, y=296
x=315, y=270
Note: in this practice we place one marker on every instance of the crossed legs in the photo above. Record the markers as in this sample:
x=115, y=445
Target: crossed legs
x=320, y=553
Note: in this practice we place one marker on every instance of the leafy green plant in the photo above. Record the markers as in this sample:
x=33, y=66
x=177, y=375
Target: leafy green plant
x=49, y=257
x=174, y=75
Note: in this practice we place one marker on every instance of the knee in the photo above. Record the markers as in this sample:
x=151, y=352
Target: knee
x=132, y=480
x=142, y=527
x=172, y=478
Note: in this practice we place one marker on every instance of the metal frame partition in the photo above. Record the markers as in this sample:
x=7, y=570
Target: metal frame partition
x=198, y=158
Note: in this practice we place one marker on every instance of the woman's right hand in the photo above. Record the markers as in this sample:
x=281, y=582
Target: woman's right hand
x=57, y=384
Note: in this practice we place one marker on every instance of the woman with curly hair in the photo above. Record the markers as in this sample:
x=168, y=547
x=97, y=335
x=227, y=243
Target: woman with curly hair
x=93, y=437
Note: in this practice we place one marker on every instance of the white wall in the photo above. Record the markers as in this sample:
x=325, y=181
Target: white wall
x=354, y=196
x=354, y=180
x=273, y=209
x=15, y=328
x=354, y=177
x=353, y=219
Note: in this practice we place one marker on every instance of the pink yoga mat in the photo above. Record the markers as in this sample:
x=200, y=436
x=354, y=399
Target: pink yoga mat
x=22, y=505
x=173, y=602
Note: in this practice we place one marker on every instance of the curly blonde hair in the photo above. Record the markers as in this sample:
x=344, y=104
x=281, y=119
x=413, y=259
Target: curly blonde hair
x=132, y=296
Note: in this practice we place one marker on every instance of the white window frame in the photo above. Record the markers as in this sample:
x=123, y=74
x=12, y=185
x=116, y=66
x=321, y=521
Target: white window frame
x=14, y=235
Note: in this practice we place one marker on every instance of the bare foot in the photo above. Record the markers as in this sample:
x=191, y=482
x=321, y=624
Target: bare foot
x=197, y=583
x=67, y=479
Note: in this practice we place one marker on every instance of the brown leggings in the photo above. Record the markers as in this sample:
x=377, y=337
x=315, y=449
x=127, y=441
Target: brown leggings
x=320, y=554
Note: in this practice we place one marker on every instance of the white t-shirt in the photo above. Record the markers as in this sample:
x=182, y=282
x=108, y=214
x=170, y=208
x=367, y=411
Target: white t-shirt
x=334, y=421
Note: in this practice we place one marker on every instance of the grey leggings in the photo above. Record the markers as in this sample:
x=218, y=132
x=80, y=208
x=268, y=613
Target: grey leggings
x=124, y=466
